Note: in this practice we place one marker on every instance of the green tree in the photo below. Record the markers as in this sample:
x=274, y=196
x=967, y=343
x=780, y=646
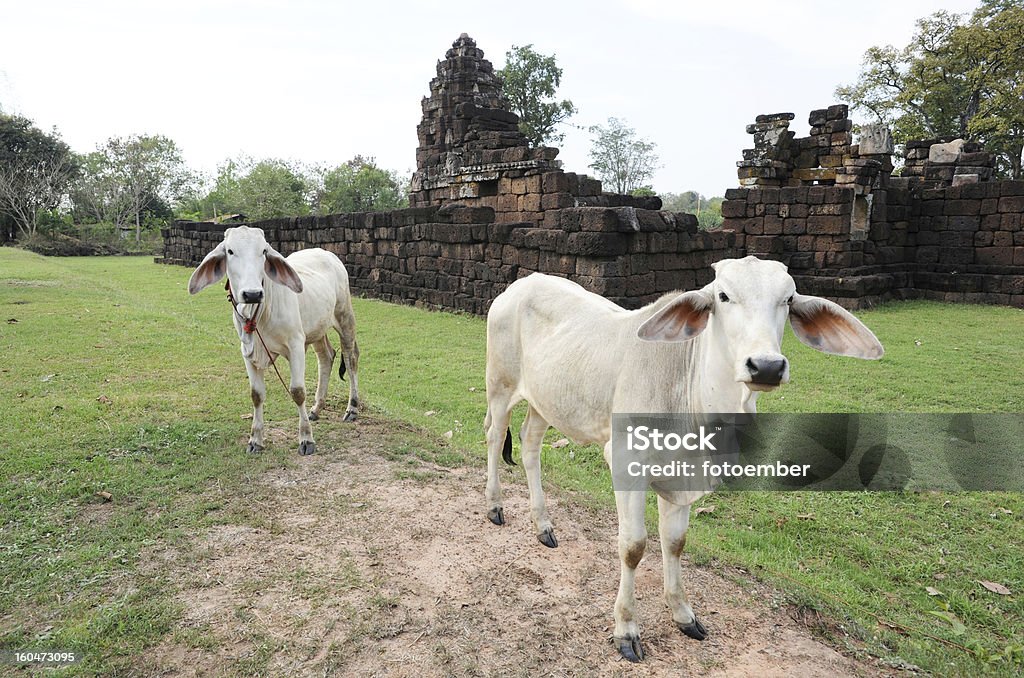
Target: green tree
x=708, y=210
x=529, y=81
x=623, y=161
x=359, y=185
x=36, y=171
x=273, y=188
x=262, y=189
x=958, y=77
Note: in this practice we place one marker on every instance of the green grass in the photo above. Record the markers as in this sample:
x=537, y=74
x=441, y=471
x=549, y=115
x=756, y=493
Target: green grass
x=114, y=379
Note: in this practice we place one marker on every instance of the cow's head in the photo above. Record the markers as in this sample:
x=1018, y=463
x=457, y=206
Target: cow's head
x=746, y=306
x=246, y=258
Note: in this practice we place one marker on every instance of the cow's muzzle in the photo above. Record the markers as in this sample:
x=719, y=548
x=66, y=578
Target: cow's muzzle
x=252, y=296
x=766, y=370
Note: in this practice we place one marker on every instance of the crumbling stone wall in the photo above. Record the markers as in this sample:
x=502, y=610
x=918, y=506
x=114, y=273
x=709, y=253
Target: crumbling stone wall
x=832, y=211
x=460, y=258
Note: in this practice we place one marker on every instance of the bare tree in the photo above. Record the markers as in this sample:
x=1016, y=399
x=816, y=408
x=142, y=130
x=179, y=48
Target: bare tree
x=35, y=172
x=622, y=160
x=140, y=171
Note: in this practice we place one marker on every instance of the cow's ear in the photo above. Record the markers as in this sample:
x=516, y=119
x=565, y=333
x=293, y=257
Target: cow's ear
x=684, y=318
x=212, y=269
x=830, y=328
x=280, y=271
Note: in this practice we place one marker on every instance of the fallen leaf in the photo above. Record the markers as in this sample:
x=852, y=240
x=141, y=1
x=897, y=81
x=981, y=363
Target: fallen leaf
x=472, y=389
x=105, y=496
x=358, y=504
x=48, y=377
x=805, y=516
x=561, y=442
x=938, y=576
x=916, y=342
x=1006, y=511
x=932, y=591
x=11, y=321
x=105, y=400
x=995, y=587
x=429, y=413
x=448, y=434
x=704, y=509
x=247, y=416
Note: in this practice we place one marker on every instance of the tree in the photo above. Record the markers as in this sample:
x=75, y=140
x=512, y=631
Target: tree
x=529, y=81
x=130, y=176
x=957, y=77
x=97, y=196
x=36, y=170
x=621, y=159
x=360, y=186
x=708, y=210
x=262, y=189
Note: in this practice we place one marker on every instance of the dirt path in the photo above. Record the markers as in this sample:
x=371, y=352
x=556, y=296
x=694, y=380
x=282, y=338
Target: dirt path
x=370, y=561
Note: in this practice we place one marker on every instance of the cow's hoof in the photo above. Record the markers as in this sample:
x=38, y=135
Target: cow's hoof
x=350, y=416
x=253, y=448
x=547, y=537
x=307, y=447
x=313, y=416
x=496, y=516
x=694, y=629
x=630, y=649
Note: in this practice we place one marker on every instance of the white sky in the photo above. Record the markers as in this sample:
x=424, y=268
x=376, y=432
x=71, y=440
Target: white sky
x=320, y=82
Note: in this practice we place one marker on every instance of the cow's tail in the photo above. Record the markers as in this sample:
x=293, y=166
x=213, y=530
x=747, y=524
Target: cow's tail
x=341, y=367
x=506, y=450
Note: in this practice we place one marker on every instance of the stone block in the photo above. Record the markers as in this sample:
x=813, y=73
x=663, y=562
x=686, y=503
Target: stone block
x=1012, y=204
x=828, y=224
x=554, y=182
x=945, y=154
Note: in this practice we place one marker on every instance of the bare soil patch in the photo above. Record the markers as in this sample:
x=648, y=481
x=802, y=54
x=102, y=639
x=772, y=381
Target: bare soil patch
x=368, y=560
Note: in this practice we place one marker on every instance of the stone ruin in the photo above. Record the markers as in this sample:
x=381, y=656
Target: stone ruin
x=829, y=157
x=472, y=152
x=487, y=209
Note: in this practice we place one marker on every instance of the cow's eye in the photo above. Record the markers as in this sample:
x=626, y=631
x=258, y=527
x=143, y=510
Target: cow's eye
x=722, y=296
x=231, y=252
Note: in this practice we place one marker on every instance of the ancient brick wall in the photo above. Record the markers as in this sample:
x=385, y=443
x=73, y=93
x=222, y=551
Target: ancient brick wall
x=460, y=258
x=959, y=243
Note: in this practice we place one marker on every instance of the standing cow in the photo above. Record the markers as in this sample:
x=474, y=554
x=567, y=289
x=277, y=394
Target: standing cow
x=576, y=358
x=288, y=304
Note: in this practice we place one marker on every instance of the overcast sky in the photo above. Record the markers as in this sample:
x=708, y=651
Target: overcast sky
x=320, y=82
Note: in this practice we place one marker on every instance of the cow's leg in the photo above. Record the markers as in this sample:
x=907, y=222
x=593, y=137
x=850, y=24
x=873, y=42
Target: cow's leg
x=324, y=361
x=673, y=521
x=346, y=326
x=630, y=506
x=499, y=443
x=297, y=387
x=531, y=435
x=632, y=543
x=258, y=391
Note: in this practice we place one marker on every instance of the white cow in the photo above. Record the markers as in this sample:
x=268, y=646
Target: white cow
x=576, y=358
x=292, y=303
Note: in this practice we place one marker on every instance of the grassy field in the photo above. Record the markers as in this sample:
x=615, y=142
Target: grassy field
x=113, y=379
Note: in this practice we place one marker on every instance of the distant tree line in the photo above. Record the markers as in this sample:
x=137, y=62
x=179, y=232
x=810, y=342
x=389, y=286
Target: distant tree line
x=132, y=183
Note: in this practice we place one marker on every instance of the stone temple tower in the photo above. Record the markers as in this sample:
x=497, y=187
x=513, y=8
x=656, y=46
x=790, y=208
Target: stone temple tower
x=468, y=139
